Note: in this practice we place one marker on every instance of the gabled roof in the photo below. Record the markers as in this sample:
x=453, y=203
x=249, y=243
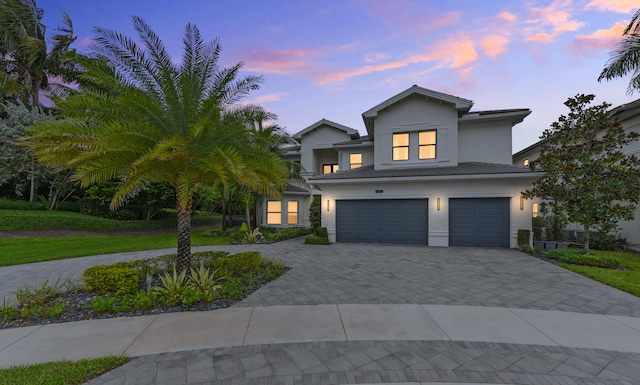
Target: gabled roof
x=626, y=111
x=462, y=169
x=360, y=141
x=462, y=105
x=518, y=115
x=325, y=122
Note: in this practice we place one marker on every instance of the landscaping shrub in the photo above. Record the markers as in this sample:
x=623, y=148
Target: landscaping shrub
x=315, y=216
x=537, y=228
x=232, y=289
x=316, y=240
x=322, y=232
x=10, y=204
x=105, y=279
x=575, y=257
x=249, y=262
x=524, y=239
x=602, y=241
x=285, y=233
x=555, y=228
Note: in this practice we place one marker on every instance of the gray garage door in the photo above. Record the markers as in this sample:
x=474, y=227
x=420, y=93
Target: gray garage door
x=384, y=221
x=479, y=222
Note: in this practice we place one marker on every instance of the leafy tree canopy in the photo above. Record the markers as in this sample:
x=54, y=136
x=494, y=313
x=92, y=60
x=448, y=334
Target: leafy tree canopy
x=140, y=118
x=588, y=176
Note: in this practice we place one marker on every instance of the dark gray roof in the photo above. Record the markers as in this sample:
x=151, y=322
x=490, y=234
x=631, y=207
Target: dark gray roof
x=289, y=148
x=355, y=141
x=295, y=189
x=494, y=112
x=469, y=168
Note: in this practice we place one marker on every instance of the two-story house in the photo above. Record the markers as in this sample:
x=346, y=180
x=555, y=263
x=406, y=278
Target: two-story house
x=629, y=117
x=430, y=171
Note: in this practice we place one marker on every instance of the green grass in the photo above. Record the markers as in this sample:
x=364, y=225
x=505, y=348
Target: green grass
x=16, y=251
x=11, y=220
x=60, y=372
x=625, y=280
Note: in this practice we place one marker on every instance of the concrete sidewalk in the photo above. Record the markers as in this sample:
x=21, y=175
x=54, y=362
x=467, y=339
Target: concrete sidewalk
x=256, y=328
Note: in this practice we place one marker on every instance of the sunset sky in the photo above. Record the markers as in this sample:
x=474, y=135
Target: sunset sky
x=336, y=59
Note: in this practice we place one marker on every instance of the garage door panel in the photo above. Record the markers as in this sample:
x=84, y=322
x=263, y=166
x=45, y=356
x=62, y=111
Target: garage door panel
x=479, y=222
x=386, y=221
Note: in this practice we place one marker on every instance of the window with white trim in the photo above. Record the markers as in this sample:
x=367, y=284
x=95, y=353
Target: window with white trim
x=292, y=212
x=427, y=145
x=355, y=161
x=329, y=168
x=401, y=146
x=274, y=212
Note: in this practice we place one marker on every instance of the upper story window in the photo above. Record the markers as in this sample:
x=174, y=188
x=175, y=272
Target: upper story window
x=329, y=168
x=355, y=161
x=427, y=143
x=401, y=146
x=525, y=162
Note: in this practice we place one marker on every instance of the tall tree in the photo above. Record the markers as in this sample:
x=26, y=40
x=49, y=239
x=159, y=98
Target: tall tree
x=141, y=118
x=24, y=50
x=625, y=57
x=588, y=176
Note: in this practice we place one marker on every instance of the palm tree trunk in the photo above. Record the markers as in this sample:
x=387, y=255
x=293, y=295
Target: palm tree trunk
x=184, y=236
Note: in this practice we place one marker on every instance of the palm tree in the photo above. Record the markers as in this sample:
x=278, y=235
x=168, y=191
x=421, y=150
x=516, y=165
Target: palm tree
x=24, y=49
x=141, y=118
x=625, y=57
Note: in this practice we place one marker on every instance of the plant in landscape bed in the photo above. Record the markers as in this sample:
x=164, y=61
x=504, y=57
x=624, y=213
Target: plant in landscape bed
x=575, y=257
x=218, y=279
x=60, y=372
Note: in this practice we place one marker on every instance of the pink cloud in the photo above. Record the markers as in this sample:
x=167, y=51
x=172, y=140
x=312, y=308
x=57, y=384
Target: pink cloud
x=556, y=17
x=85, y=42
x=494, y=45
x=507, y=16
x=410, y=17
x=621, y=6
x=455, y=53
x=602, y=39
x=267, y=98
x=294, y=61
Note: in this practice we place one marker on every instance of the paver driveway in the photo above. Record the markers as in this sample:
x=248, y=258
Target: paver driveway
x=379, y=273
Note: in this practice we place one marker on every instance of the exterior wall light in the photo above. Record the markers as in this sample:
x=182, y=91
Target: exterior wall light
x=328, y=204
x=521, y=203
x=438, y=204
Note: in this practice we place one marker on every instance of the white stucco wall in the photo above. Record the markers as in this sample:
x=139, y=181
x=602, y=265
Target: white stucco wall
x=344, y=156
x=438, y=219
x=324, y=136
x=414, y=115
x=485, y=141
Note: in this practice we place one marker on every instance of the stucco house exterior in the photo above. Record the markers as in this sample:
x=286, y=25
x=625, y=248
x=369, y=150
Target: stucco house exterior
x=430, y=171
x=629, y=117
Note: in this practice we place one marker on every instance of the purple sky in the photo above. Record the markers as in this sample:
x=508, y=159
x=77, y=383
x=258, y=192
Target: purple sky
x=335, y=59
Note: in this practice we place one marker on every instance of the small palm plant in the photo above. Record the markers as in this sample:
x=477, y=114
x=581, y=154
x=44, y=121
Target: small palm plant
x=173, y=285
x=254, y=236
x=205, y=282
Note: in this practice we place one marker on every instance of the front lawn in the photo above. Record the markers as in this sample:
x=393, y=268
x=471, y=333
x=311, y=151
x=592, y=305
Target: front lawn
x=625, y=280
x=60, y=372
x=16, y=251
